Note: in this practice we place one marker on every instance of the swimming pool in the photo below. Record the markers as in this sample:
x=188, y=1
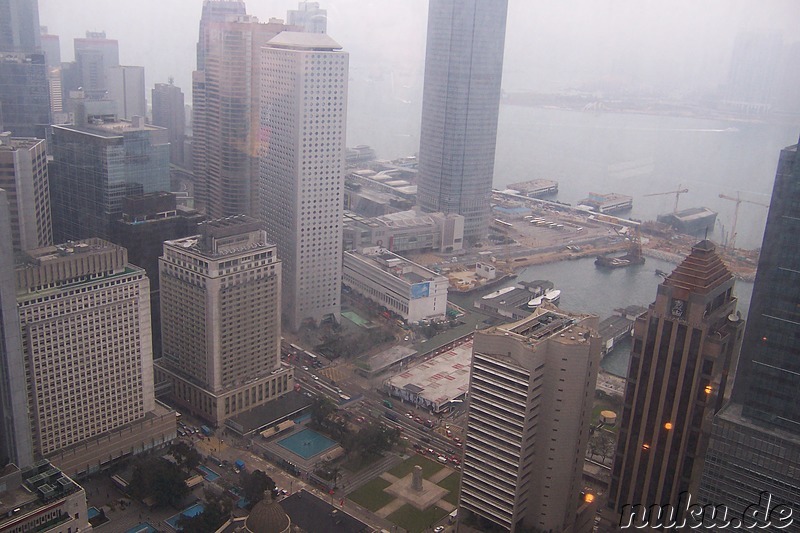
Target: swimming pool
x=307, y=443
x=93, y=511
x=189, y=512
x=210, y=475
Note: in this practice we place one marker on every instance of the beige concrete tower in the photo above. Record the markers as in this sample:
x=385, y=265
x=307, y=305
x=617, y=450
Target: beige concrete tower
x=84, y=313
x=531, y=392
x=220, y=319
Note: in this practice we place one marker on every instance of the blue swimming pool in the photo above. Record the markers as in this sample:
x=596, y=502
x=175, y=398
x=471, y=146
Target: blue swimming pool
x=189, y=512
x=93, y=511
x=209, y=475
x=307, y=443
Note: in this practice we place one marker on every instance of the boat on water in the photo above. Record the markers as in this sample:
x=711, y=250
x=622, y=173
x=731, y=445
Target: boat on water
x=552, y=296
x=606, y=261
x=497, y=293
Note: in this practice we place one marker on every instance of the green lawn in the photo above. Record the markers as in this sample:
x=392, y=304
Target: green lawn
x=451, y=483
x=371, y=496
x=413, y=520
x=428, y=467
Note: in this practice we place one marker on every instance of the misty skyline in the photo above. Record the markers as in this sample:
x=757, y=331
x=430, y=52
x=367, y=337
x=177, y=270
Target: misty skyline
x=681, y=46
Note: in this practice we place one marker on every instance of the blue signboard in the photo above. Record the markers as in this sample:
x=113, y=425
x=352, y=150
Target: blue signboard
x=420, y=290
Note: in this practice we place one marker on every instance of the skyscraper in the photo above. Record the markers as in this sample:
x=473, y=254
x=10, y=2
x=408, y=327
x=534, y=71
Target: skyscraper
x=94, y=55
x=303, y=123
x=460, y=105
x=684, y=348
x=19, y=26
x=16, y=445
x=169, y=113
x=126, y=88
x=84, y=314
x=95, y=166
x=308, y=16
x=24, y=94
x=23, y=175
x=531, y=393
x=755, y=445
x=221, y=323
x=225, y=97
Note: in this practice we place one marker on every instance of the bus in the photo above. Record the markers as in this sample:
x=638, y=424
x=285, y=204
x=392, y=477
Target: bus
x=312, y=357
x=296, y=349
x=502, y=224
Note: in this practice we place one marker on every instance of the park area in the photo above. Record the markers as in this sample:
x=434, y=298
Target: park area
x=393, y=496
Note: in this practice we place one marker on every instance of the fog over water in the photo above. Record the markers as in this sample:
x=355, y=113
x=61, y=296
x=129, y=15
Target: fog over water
x=675, y=49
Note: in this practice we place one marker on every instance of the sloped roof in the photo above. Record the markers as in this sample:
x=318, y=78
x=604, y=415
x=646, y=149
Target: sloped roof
x=701, y=271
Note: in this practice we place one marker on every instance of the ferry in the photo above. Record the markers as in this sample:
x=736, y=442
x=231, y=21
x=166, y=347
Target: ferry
x=552, y=296
x=497, y=293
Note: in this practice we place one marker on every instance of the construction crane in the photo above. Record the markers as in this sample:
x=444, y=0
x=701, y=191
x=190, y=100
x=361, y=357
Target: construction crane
x=676, y=193
x=738, y=201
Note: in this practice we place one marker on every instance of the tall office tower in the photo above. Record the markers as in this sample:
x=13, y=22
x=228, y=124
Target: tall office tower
x=678, y=377
x=169, y=113
x=215, y=11
x=126, y=88
x=460, y=104
x=95, y=166
x=94, y=56
x=24, y=94
x=15, y=429
x=303, y=123
x=23, y=175
x=225, y=96
x=308, y=16
x=531, y=392
x=51, y=47
x=84, y=313
x=755, y=67
x=220, y=318
x=755, y=445
x=19, y=26
x=146, y=222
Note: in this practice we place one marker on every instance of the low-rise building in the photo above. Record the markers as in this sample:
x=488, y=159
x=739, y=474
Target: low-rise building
x=41, y=498
x=405, y=231
x=401, y=286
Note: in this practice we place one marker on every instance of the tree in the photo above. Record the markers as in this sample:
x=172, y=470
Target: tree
x=254, y=485
x=321, y=409
x=185, y=455
x=161, y=479
x=215, y=512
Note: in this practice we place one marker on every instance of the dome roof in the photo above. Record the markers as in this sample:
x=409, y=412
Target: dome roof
x=267, y=517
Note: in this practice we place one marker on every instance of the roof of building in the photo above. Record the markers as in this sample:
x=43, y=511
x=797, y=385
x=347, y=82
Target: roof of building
x=310, y=513
x=304, y=40
x=701, y=271
x=440, y=379
x=395, y=265
x=267, y=516
x=265, y=415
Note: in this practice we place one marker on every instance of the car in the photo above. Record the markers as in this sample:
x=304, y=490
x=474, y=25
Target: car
x=438, y=529
x=316, y=378
x=456, y=439
x=418, y=420
x=305, y=368
x=449, y=433
x=410, y=415
x=442, y=459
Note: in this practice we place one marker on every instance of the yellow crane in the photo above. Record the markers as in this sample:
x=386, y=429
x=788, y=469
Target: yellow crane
x=676, y=193
x=738, y=201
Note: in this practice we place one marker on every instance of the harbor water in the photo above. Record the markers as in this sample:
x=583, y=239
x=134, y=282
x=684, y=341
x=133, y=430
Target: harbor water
x=588, y=289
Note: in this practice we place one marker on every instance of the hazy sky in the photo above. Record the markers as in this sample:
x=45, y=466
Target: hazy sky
x=678, y=44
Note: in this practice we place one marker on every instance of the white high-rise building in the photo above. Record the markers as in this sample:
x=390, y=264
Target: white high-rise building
x=303, y=123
